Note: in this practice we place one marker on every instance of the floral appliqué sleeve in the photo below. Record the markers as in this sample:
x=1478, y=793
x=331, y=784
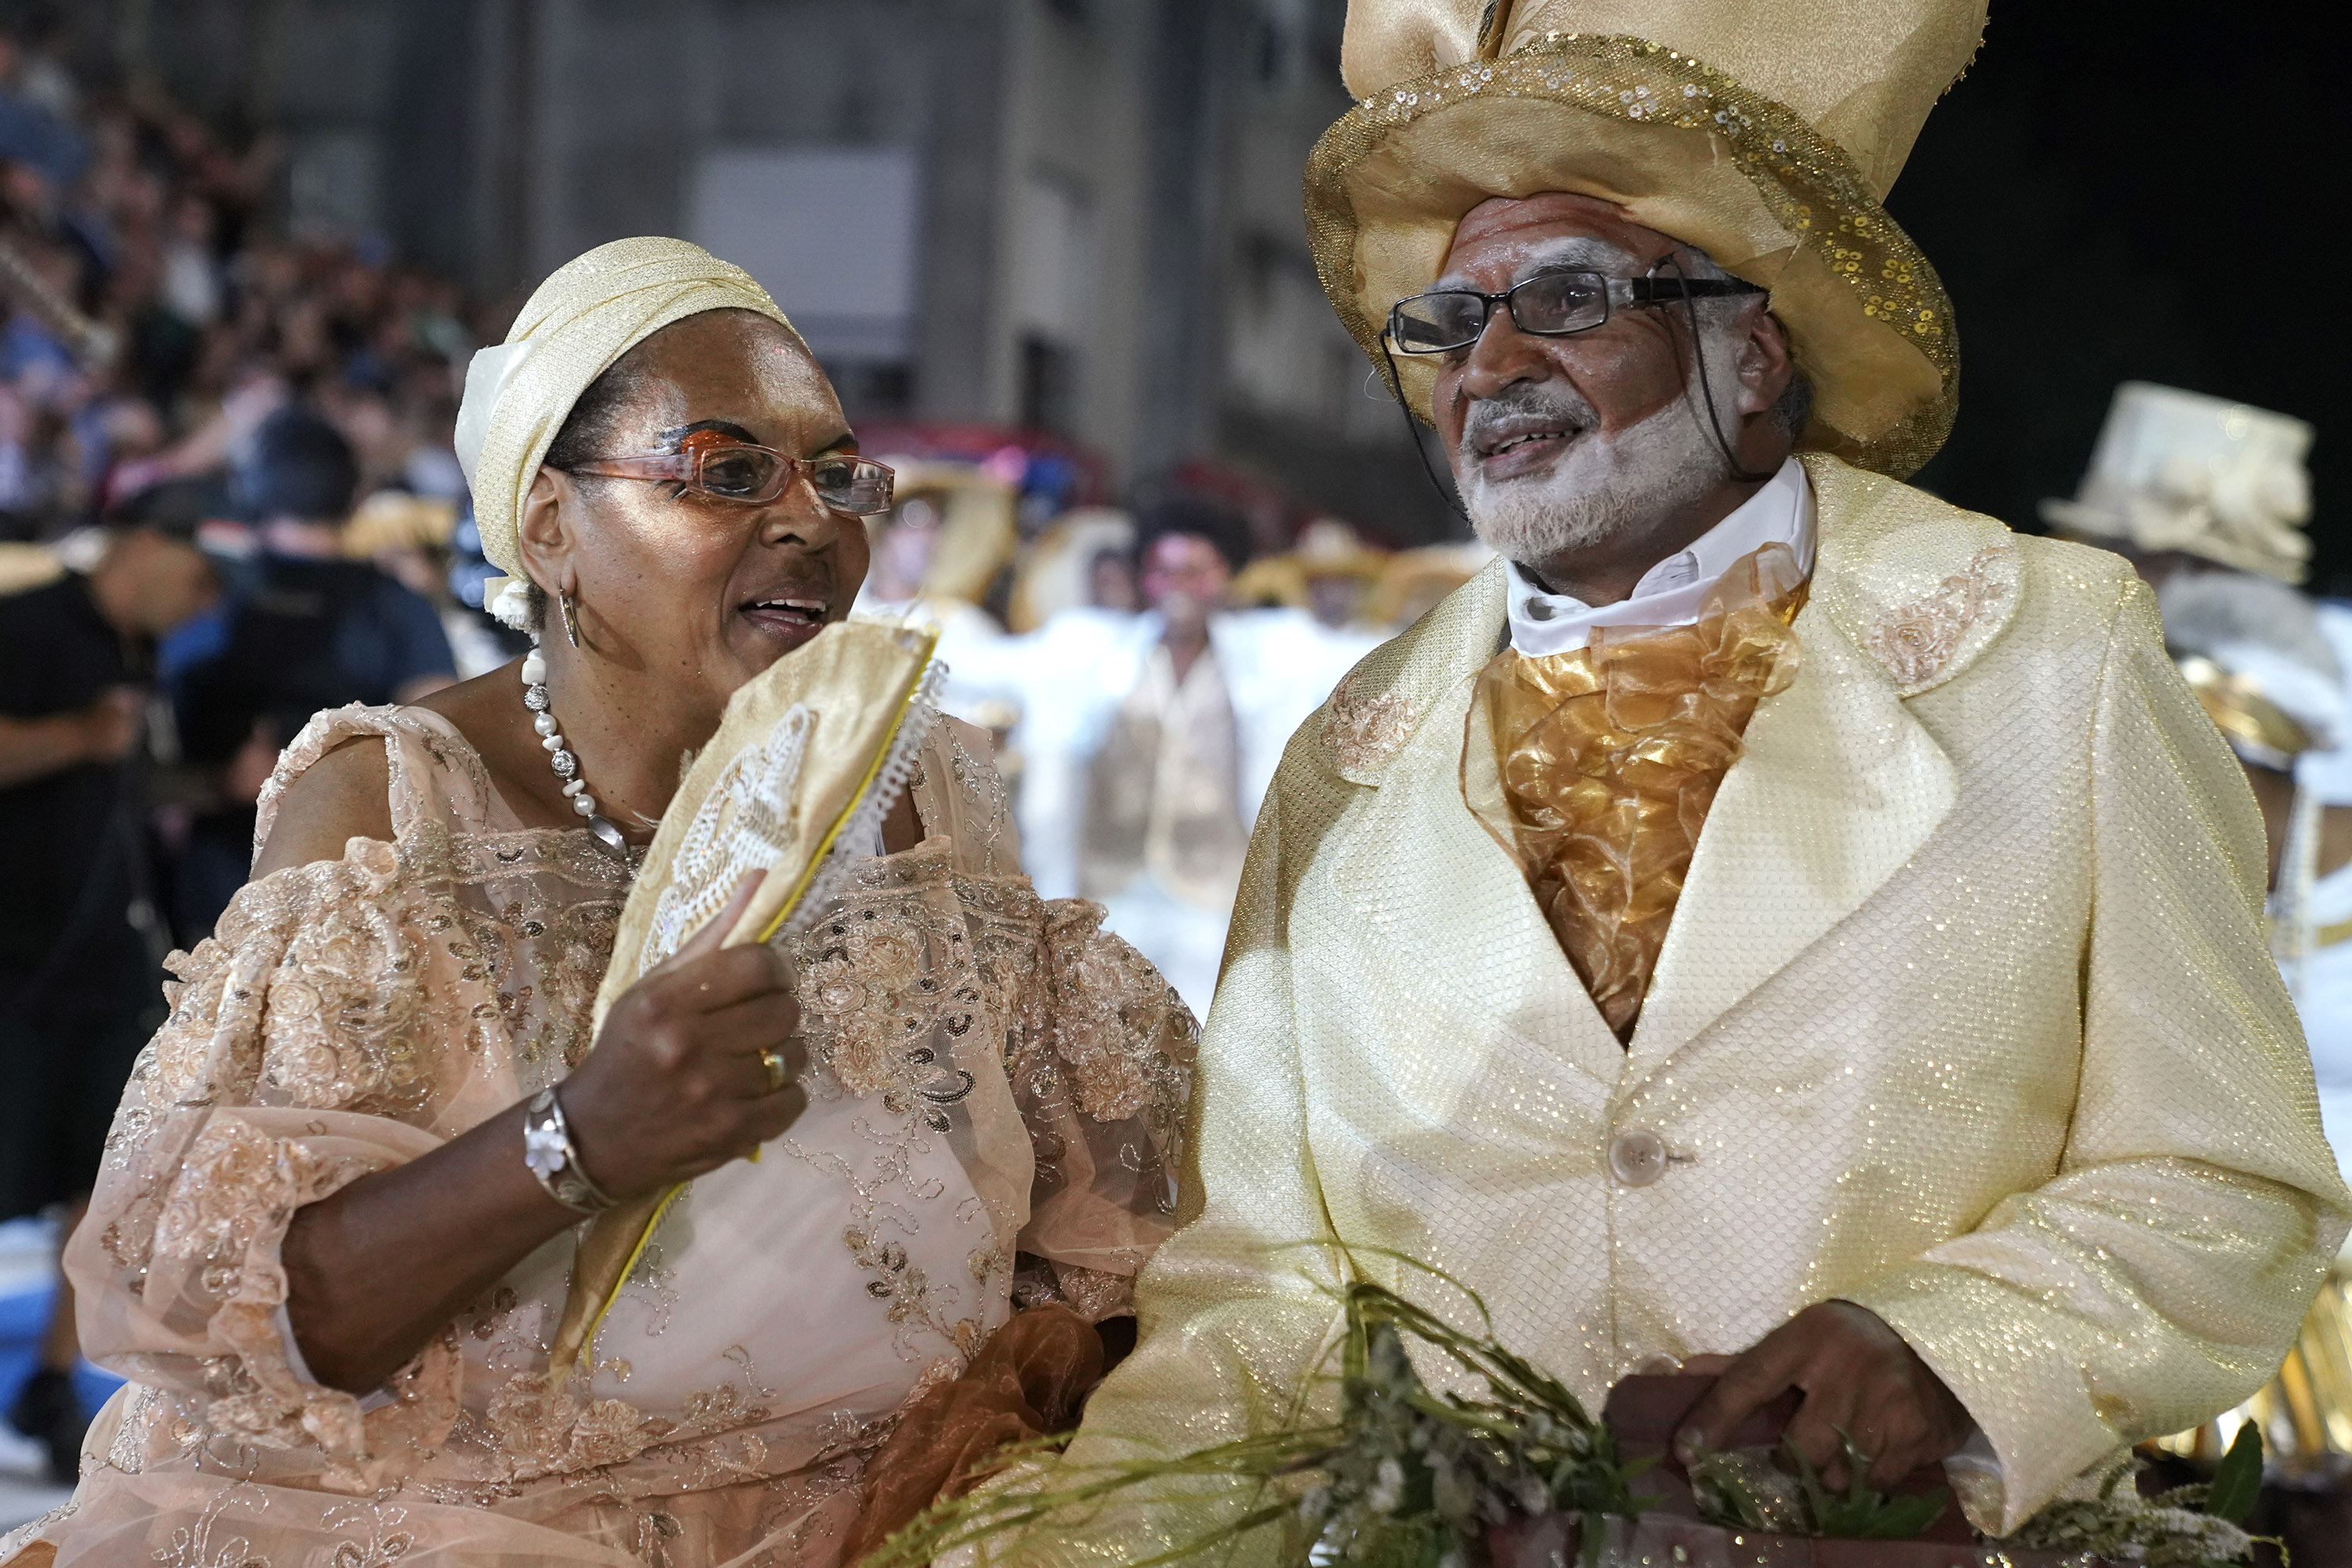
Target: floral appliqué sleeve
x=288, y=1067
x=1099, y=1049
x=341, y=1021
x=1102, y=1069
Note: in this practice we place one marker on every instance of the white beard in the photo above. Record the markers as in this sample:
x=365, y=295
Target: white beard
x=1596, y=488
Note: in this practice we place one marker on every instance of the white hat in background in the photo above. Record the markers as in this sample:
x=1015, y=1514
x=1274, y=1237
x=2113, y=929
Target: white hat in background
x=1053, y=573
x=2179, y=470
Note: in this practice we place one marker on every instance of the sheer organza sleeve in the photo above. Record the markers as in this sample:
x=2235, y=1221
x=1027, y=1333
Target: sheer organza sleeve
x=305, y=1048
x=1102, y=1071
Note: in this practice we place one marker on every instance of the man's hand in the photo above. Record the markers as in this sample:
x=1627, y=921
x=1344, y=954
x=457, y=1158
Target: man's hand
x=103, y=732
x=110, y=724
x=1857, y=1375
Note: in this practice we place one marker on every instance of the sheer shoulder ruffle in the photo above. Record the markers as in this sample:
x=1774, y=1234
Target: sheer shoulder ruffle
x=347, y=1015
x=1099, y=1055
x=959, y=792
x=1098, y=1047
x=435, y=775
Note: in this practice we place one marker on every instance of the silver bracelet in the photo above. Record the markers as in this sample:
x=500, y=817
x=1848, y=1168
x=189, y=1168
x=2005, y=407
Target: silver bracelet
x=547, y=1149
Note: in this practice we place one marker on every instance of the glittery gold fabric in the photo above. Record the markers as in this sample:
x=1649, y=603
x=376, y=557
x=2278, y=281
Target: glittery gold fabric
x=1608, y=757
x=590, y=311
x=1767, y=136
x=2304, y=1414
x=1964, y=1015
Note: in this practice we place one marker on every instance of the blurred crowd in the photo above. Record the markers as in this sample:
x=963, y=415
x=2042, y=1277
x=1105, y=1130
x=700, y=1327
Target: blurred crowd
x=228, y=500
x=171, y=363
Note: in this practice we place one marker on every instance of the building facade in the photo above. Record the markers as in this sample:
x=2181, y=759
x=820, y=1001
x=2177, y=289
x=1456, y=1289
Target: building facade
x=1076, y=217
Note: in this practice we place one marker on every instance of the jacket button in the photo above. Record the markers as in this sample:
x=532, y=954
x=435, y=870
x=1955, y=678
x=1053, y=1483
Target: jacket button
x=1637, y=1156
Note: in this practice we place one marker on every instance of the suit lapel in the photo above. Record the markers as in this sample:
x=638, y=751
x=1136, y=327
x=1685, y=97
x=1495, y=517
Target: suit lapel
x=1417, y=860
x=1837, y=788
x=1839, y=785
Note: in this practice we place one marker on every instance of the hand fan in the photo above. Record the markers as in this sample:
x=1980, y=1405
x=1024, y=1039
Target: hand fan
x=810, y=757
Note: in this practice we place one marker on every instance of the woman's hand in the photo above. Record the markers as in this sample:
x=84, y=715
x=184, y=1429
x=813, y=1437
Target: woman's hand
x=677, y=1085
x=674, y=1087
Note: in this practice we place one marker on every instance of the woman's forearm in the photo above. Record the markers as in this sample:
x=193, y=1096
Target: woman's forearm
x=374, y=1271
x=697, y=1063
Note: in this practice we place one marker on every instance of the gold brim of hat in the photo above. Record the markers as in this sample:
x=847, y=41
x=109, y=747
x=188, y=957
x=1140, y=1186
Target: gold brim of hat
x=1268, y=580
x=2257, y=728
x=1284, y=579
x=391, y=519
x=1684, y=148
x=978, y=528
x=1413, y=579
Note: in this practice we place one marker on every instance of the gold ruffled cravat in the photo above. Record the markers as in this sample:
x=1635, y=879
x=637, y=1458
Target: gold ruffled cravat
x=1609, y=757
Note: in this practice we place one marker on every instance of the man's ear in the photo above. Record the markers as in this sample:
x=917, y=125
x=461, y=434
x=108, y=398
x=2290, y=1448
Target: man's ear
x=545, y=532
x=1763, y=361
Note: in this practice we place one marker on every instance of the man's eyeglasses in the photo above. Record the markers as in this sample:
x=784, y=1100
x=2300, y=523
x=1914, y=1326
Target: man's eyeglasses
x=754, y=476
x=1548, y=305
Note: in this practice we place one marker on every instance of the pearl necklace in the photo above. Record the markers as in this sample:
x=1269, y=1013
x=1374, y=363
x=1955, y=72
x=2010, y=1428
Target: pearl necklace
x=561, y=756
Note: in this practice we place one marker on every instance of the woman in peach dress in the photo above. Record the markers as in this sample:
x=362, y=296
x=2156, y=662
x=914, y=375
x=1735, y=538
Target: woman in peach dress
x=334, y=1234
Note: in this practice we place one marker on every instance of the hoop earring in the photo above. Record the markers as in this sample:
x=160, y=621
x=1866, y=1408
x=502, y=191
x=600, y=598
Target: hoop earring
x=571, y=618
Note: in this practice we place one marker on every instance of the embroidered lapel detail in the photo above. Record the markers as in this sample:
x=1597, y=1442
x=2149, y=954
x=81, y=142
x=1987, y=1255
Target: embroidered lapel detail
x=1921, y=587
x=1364, y=731
x=1947, y=626
x=1391, y=692
x=1838, y=784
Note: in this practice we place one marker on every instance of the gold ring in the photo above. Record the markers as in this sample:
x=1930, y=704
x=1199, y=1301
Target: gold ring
x=774, y=1062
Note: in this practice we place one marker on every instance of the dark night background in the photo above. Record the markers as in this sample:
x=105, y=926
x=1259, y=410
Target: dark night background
x=2123, y=192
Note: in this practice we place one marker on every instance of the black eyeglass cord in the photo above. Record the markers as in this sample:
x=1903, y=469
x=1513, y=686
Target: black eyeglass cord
x=1412, y=434
x=1698, y=364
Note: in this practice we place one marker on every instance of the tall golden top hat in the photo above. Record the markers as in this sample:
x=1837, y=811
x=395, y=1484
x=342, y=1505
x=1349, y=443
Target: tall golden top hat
x=1768, y=135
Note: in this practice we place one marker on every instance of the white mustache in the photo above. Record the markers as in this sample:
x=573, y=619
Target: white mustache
x=1548, y=400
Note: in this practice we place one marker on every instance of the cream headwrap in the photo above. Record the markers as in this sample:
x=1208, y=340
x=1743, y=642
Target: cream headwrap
x=589, y=312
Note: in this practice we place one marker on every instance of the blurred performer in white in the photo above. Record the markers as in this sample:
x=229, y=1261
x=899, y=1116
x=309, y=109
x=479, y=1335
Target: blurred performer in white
x=936, y=556
x=1147, y=740
x=2207, y=499
x=1326, y=572
x=1084, y=557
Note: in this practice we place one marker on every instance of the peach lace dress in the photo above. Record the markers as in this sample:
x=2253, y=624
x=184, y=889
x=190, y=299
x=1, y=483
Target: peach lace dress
x=996, y=1094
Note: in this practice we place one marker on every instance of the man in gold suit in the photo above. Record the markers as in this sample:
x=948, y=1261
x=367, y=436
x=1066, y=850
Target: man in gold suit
x=1771, y=921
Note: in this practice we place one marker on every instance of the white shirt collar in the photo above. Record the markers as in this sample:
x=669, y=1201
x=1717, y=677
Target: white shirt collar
x=1672, y=592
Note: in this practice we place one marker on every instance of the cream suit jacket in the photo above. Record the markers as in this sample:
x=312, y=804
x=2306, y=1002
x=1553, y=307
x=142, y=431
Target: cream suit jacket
x=1965, y=1015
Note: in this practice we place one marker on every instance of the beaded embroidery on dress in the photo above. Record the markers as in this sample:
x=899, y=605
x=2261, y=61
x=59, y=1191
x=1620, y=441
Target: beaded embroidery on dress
x=755, y=801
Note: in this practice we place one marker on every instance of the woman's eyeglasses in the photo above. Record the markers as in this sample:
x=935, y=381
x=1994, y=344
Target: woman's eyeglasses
x=1548, y=305
x=754, y=476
